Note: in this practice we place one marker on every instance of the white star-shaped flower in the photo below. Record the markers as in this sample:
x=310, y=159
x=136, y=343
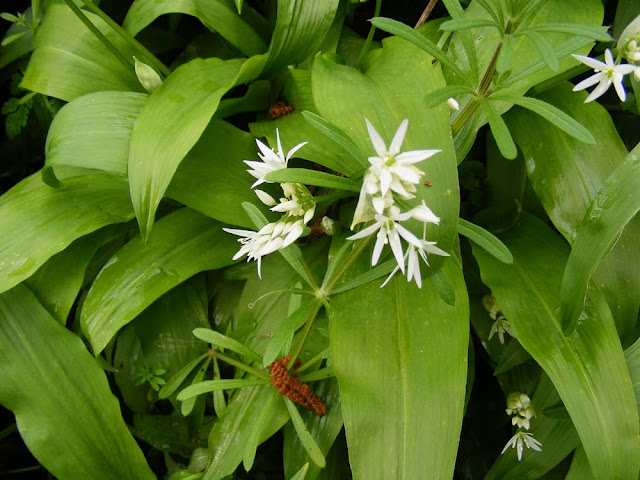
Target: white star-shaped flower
x=606, y=73
x=412, y=257
x=521, y=440
x=271, y=160
x=271, y=237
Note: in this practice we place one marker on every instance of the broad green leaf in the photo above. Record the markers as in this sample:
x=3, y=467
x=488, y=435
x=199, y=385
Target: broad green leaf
x=17, y=48
x=338, y=154
x=485, y=240
x=331, y=132
x=189, y=97
x=312, y=177
x=94, y=131
x=300, y=29
x=384, y=342
x=626, y=14
x=441, y=284
x=512, y=356
x=139, y=273
x=386, y=95
x=545, y=49
x=632, y=355
x=54, y=387
x=441, y=95
x=39, y=221
x=324, y=431
x=219, y=15
x=579, y=466
x=503, y=63
x=213, y=385
x=587, y=368
x=164, y=432
x=69, y=61
x=556, y=116
x=57, y=283
x=613, y=208
x=566, y=175
x=219, y=340
x=500, y=131
x=304, y=436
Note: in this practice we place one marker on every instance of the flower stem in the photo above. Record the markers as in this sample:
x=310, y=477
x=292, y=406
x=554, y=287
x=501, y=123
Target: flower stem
x=311, y=362
x=426, y=13
x=240, y=365
x=305, y=332
x=144, y=53
x=128, y=64
x=367, y=42
x=353, y=255
x=312, y=281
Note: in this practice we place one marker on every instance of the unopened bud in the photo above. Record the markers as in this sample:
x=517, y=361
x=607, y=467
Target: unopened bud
x=330, y=226
x=453, y=104
x=147, y=76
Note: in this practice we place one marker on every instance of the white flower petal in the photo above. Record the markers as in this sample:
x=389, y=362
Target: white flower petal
x=597, y=92
x=415, y=156
x=396, y=247
x=378, y=204
x=295, y=149
x=617, y=84
x=385, y=181
x=608, y=58
x=366, y=231
x=624, y=68
x=590, y=62
x=376, y=140
x=398, y=138
x=408, y=236
x=377, y=248
x=265, y=197
x=278, y=142
x=588, y=82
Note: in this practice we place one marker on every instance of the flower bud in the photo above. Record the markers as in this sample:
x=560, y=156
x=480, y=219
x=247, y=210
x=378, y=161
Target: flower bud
x=147, y=76
x=453, y=104
x=330, y=226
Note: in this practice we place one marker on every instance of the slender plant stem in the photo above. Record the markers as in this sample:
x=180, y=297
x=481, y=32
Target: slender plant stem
x=367, y=42
x=240, y=365
x=353, y=255
x=318, y=375
x=425, y=14
x=144, y=53
x=128, y=64
x=35, y=11
x=305, y=333
x=311, y=362
x=312, y=281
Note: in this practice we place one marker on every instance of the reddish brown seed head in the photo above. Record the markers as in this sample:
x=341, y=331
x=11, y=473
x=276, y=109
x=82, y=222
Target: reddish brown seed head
x=292, y=388
x=279, y=109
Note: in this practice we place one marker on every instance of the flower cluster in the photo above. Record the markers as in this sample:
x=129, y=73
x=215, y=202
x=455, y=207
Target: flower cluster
x=393, y=175
x=296, y=204
x=606, y=73
x=500, y=324
x=520, y=408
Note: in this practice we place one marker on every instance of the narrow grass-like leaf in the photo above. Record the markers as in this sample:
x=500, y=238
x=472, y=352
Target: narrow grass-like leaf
x=317, y=375
x=588, y=368
x=375, y=273
x=284, y=332
x=188, y=404
x=302, y=473
x=332, y=132
x=213, y=385
x=457, y=14
x=138, y=274
x=595, y=33
x=404, y=31
x=464, y=23
x=556, y=116
x=616, y=204
x=506, y=54
x=500, y=131
x=436, y=97
x=305, y=437
x=222, y=341
x=486, y=240
x=548, y=54
x=178, y=379
x=257, y=430
x=312, y=177
x=190, y=97
x=54, y=387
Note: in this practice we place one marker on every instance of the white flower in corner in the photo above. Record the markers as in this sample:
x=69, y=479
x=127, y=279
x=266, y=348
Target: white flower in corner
x=521, y=440
x=271, y=237
x=412, y=257
x=606, y=73
x=271, y=160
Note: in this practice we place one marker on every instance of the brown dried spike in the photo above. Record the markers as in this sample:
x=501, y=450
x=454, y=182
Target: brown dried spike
x=292, y=388
x=279, y=109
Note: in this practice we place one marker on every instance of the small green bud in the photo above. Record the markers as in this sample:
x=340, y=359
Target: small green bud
x=147, y=76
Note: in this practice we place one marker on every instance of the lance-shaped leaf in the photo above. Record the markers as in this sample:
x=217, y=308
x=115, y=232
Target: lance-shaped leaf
x=485, y=239
x=54, y=387
x=94, y=131
x=69, y=61
x=588, y=368
x=615, y=205
x=312, y=177
x=40, y=221
x=219, y=15
x=171, y=122
x=386, y=95
x=222, y=341
x=407, y=349
x=213, y=385
x=187, y=242
x=566, y=175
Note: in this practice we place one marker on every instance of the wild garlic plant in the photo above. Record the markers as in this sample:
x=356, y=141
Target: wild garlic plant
x=462, y=154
